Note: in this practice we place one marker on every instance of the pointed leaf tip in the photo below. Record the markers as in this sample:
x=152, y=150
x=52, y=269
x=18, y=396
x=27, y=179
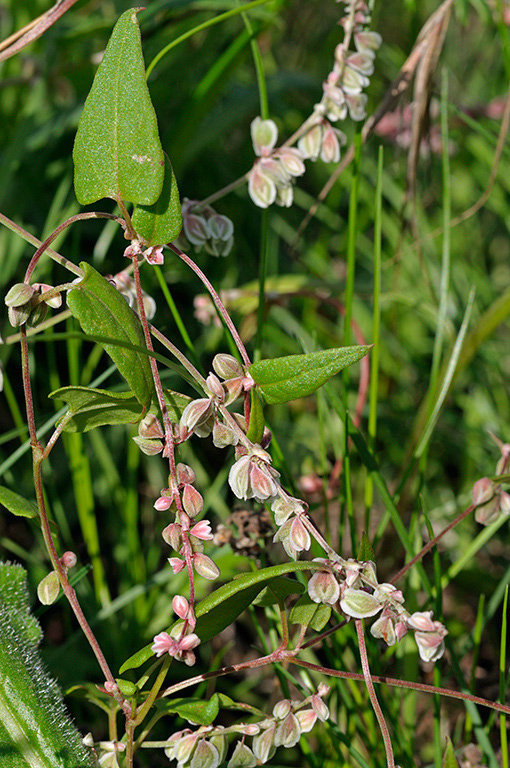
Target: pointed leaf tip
x=287, y=378
x=117, y=152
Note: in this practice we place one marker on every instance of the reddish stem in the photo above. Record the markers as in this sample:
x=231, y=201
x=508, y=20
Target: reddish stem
x=35, y=30
x=79, y=217
x=373, y=696
x=218, y=302
x=432, y=543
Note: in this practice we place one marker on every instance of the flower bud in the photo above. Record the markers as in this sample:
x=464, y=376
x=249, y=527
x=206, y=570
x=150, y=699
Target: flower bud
x=214, y=386
x=320, y=708
x=197, y=413
x=483, y=491
x=226, y=366
x=330, y=148
x=172, y=535
x=264, y=135
x=55, y=301
x=177, y=564
x=202, y=530
x=150, y=427
x=291, y=160
x=261, y=188
x=324, y=588
x=185, y=475
x=205, y=566
x=69, y=559
x=385, y=629
x=282, y=708
x=239, y=477
x=220, y=227
x=180, y=606
x=422, y=621
x=359, y=604
x=233, y=388
x=195, y=229
x=163, y=503
x=310, y=144
x=19, y=294
x=222, y=435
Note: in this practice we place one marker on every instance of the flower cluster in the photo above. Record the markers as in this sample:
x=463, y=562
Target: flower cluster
x=353, y=587
x=152, y=255
x=488, y=496
x=207, y=747
x=270, y=180
x=29, y=303
x=204, y=228
x=343, y=87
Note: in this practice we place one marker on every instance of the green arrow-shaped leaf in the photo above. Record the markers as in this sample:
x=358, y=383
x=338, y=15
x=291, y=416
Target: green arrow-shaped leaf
x=90, y=408
x=102, y=311
x=117, y=152
x=288, y=378
x=161, y=222
x=17, y=504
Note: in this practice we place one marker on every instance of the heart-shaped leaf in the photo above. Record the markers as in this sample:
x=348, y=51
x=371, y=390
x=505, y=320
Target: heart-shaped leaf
x=288, y=378
x=102, y=311
x=161, y=222
x=17, y=504
x=89, y=408
x=117, y=152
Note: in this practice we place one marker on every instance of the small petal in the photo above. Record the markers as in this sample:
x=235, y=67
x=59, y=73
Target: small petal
x=281, y=709
x=306, y=719
x=324, y=588
x=220, y=227
x=163, y=503
x=292, y=160
x=330, y=150
x=195, y=229
x=192, y=501
x=239, y=477
x=227, y=367
x=177, y=564
x=163, y=643
x=154, y=255
x=262, y=189
x=422, y=621
x=288, y=732
x=243, y=757
x=205, y=756
x=299, y=536
x=310, y=144
x=202, y=530
x=263, y=744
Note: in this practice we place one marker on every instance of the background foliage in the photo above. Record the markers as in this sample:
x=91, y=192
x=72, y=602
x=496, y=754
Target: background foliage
x=101, y=489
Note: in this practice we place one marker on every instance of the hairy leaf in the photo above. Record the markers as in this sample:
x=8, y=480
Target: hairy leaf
x=288, y=378
x=35, y=730
x=102, y=311
x=117, y=152
x=161, y=222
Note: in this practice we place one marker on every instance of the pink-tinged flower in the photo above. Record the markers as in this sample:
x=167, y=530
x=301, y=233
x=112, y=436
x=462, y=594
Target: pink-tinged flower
x=282, y=708
x=154, y=255
x=263, y=744
x=306, y=719
x=177, y=564
x=215, y=387
x=251, y=477
x=292, y=160
x=163, y=503
x=184, y=747
x=367, y=42
x=284, y=196
x=311, y=142
x=242, y=757
x=205, y=566
x=261, y=188
x=330, y=149
x=185, y=475
x=324, y=588
x=172, y=535
x=192, y=500
x=422, y=621
x=264, y=135
x=202, y=530
x=299, y=536
x=163, y=643
x=288, y=732
x=430, y=644
x=319, y=707
x=483, y=491
x=205, y=756
x=198, y=416
x=223, y=435
x=384, y=628
x=180, y=606
x=359, y=604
